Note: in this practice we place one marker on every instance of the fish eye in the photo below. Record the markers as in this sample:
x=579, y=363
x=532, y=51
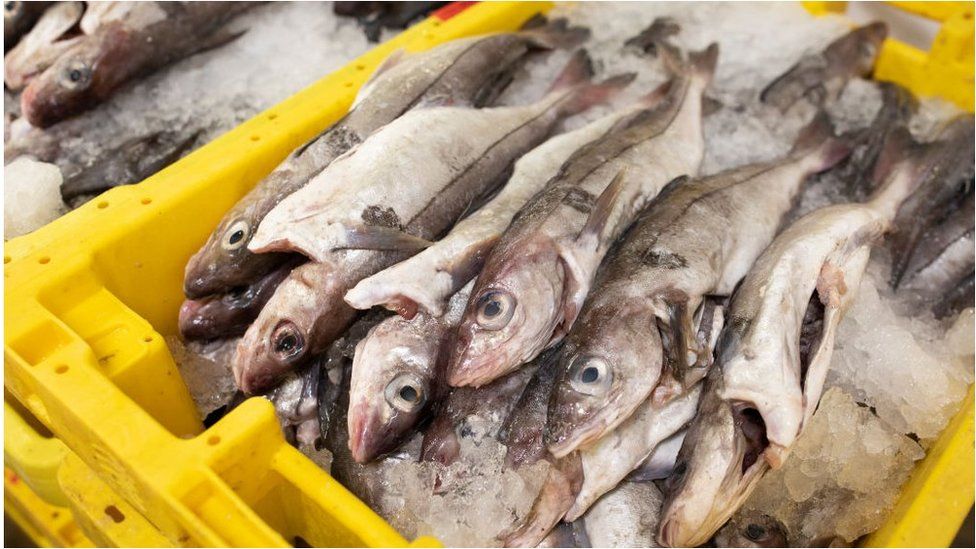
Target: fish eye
x=495, y=310
x=590, y=375
x=755, y=532
x=10, y=6
x=868, y=49
x=76, y=75
x=236, y=235
x=405, y=393
x=287, y=341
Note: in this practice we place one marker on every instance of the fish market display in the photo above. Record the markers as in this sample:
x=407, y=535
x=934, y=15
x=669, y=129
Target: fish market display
x=469, y=71
x=345, y=222
x=535, y=279
x=124, y=41
x=624, y=294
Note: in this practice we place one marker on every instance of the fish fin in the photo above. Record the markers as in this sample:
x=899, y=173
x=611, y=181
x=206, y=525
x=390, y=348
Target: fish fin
x=649, y=39
x=656, y=95
x=220, y=38
x=710, y=105
x=703, y=62
x=682, y=344
x=576, y=76
x=819, y=136
x=671, y=58
x=555, y=34
x=377, y=237
x=558, y=492
x=671, y=187
x=576, y=71
x=600, y=214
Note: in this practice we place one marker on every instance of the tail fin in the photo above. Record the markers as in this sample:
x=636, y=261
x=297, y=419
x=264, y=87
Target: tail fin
x=700, y=63
x=650, y=39
x=577, y=75
x=819, y=136
x=555, y=34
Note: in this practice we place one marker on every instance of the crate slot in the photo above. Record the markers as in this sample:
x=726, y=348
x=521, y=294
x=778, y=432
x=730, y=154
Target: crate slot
x=40, y=342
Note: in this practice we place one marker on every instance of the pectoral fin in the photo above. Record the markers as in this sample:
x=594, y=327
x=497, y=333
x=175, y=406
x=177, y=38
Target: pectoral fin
x=376, y=237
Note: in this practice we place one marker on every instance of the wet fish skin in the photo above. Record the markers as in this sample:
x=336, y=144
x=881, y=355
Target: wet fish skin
x=469, y=71
x=944, y=255
x=469, y=164
x=766, y=386
x=625, y=517
x=147, y=37
x=535, y=279
x=637, y=325
x=660, y=464
x=41, y=46
x=395, y=379
x=752, y=529
x=958, y=298
x=229, y=315
x=522, y=432
x=18, y=18
x=427, y=280
x=820, y=77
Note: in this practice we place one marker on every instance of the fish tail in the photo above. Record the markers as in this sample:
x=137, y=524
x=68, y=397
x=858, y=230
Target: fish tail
x=650, y=39
x=577, y=76
x=818, y=138
x=555, y=34
x=702, y=63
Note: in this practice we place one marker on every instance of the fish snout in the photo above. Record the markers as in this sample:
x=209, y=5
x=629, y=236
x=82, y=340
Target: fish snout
x=369, y=436
x=194, y=324
x=669, y=535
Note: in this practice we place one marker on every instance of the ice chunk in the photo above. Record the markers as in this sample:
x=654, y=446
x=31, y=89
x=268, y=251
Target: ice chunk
x=843, y=476
x=31, y=196
x=205, y=368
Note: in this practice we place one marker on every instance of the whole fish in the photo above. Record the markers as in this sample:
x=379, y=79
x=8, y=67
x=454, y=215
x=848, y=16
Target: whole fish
x=18, y=18
x=51, y=36
x=752, y=529
x=535, y=279
x=625, y=517
x=427, y=280
x=820, y=77
x=445, y=156
x=770, y=371
x=135, y=39
x=470, y=71
x=395, y=378
x=698, y=238
x=230, y=314
x=946, y=188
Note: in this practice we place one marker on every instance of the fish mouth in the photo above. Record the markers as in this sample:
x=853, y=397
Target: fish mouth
x=467, y=369
x=369, y=437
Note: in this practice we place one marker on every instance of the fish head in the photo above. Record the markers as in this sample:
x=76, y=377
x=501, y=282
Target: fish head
x=304, y=315
x=51, y=36
x=719, y=464
x=228, y=314
x=511, y=314
x=752, y=529
x=392, y=386
x=79, y=78
x=608, y=367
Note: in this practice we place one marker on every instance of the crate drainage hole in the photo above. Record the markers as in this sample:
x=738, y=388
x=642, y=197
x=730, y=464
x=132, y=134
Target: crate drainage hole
x=255, y=138
x=147, y=339
x=272, y=116
x=299, y=541
x=213, y=441
x=44, y=260
x=146, y=201
x=6, y=259
x=113, y=512
x=61, y=369
x=102, y=205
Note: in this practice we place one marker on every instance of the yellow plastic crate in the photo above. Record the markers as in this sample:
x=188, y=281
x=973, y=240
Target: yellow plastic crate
x=89, y=298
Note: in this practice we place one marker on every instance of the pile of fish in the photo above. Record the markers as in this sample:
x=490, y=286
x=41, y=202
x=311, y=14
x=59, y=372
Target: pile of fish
x=648, y=341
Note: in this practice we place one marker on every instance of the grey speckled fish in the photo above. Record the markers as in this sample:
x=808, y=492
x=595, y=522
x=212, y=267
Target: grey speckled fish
x=535, y=279
x=698, y=239
x=774, y=353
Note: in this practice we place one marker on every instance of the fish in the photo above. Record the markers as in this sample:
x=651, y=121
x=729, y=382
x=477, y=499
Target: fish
x=566, y=535
x=134, y=38
x=752, y=529
x=52, y=35
x=463, y=153
x=660, y=463
x=531, y=287
x=427, y=280
x=18, y=18
x=396, y=379
x=446, y=156
x=470, y=71
x=229, y=315
x=522, y=431
x=635, y=333
x=467, y=412
x=958, y=298
x=625, y=517
x=948, y=185
x=821, y=77
x=769, y=371
x=660, y=30
x=296, y=404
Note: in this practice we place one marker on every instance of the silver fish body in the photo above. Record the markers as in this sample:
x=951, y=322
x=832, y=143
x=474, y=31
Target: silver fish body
x=625, y=517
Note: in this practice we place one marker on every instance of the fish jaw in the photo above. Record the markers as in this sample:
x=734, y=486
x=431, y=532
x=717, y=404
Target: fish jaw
x=530, y=294
x=621, y=343
x=717, y=468
x=392, y=382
